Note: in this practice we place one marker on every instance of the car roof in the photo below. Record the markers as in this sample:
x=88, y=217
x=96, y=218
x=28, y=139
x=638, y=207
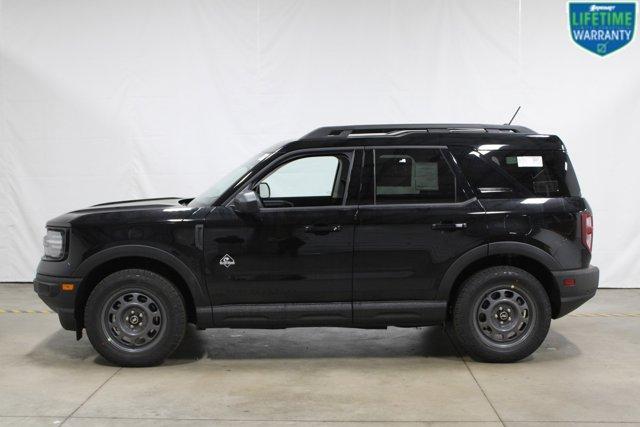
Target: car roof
x=381, y=129
x=384, y=135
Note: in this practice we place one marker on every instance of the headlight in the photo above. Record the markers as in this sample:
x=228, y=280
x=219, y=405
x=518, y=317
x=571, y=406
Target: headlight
x=54, y=245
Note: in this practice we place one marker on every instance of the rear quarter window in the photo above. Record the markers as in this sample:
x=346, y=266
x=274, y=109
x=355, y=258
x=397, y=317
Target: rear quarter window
x=519, y=173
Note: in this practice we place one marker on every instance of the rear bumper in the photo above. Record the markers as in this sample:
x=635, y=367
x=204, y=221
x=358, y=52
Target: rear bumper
x=49, y=290
x=573, y=296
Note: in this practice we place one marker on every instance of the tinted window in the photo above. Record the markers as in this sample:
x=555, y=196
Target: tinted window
x=413, y=176
x=307, y=181
x=519, y=173
x=486, y=179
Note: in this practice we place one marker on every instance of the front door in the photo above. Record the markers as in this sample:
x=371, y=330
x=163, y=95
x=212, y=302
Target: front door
x=290, y=263
x=415, y=219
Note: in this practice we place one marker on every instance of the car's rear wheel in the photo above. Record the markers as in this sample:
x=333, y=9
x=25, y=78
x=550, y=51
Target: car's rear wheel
x=135, y=318
x=501, y=314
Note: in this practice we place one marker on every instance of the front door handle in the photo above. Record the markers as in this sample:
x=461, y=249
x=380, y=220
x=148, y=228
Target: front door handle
x=322, y=229
x=449, y=226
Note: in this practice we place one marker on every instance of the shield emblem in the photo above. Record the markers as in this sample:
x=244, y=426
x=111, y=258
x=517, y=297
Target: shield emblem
x=602, y=28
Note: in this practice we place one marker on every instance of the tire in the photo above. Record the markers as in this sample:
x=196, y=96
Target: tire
x=501, y=294
x=135, y=318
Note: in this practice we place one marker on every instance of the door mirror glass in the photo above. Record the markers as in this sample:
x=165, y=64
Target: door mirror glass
x=247, y=203
x=264, y=190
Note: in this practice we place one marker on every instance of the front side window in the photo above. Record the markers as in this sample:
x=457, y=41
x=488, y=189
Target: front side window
x=308, y=181
x=413, y=176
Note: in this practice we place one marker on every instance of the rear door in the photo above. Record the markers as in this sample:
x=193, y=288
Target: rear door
x=416, y=216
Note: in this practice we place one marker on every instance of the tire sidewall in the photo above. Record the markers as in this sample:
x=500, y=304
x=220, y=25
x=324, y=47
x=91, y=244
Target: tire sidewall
x=174, y=317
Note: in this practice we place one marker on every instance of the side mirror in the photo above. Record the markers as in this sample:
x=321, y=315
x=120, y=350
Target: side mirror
x=264, y=190
x=247, y=203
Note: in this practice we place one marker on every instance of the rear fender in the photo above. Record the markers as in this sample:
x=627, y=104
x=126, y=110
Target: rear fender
x=499, y=248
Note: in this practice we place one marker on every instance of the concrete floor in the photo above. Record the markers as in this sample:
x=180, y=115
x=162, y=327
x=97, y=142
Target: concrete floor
x=587, y=371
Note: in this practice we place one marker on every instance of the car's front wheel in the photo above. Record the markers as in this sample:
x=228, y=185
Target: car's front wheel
x=135, y=318
x=501, y=314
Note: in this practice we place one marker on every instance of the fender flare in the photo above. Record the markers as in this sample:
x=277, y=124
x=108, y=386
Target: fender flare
x=498, y=248
x=152, y=253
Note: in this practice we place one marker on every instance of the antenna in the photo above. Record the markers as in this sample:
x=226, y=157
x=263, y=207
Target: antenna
x=514, y=116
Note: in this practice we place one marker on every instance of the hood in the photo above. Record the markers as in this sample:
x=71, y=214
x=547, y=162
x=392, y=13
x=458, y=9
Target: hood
x=129, y=211
x=145, y=203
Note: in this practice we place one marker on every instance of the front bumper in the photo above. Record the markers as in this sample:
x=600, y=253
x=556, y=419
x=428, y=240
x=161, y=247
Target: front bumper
x=49, y=289
x=584, y=288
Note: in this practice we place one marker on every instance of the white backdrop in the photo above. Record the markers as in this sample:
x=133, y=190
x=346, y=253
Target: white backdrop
x=112, y=100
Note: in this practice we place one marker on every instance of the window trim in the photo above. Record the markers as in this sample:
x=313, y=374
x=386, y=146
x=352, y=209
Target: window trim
x=292, y=155
x=441, y=150
x=423, y=205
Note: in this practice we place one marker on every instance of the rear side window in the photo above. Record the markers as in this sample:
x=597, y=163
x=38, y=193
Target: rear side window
x=519, y=173
x=409, y=175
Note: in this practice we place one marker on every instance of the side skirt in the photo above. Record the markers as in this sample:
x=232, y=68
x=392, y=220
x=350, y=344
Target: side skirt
x=399, y=313
x=364, y=314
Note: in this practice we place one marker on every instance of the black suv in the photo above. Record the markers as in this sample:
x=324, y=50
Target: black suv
x=479, y=227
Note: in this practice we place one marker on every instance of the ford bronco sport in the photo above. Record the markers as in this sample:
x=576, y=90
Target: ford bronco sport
x=479, y=227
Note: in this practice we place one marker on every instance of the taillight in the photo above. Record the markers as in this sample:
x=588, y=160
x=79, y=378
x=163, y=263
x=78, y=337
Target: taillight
x=586, y=221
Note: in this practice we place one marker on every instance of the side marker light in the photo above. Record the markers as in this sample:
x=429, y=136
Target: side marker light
x=67, y=287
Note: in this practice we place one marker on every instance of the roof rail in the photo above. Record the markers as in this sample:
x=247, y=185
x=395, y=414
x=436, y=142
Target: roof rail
x=369, y=131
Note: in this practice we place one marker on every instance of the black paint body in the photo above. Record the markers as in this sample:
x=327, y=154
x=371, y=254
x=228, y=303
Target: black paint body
x=358, y=265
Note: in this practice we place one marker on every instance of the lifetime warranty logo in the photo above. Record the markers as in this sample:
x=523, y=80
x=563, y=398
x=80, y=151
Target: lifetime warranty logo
x=602, y=28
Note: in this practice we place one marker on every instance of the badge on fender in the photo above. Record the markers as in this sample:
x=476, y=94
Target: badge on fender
x=226, y=261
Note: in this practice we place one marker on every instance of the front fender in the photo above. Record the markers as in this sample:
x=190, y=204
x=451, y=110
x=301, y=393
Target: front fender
x=150, y=252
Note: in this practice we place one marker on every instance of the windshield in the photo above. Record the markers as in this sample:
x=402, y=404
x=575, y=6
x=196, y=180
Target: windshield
x=215, y=191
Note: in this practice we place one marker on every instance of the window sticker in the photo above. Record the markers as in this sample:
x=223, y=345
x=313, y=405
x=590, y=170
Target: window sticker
x=529, y=161
x=427, y=176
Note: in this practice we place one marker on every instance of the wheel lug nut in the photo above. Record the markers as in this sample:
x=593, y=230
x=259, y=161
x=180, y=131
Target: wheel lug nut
x=509, y=310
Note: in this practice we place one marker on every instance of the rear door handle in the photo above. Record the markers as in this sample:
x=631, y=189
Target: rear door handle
x=322, y=229
x=449, y=226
